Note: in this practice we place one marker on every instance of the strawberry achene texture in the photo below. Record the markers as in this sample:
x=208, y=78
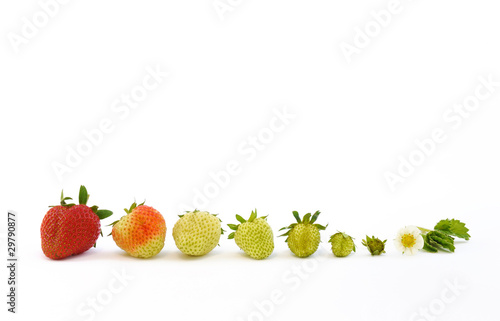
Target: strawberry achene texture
x=67, y=231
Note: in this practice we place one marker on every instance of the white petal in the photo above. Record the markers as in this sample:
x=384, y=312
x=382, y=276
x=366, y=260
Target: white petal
x=412, y=227
x=413, y=230
x=412, y=251
x=398, y=245
x=419, y=244
x=404, y=230
x=401, y=232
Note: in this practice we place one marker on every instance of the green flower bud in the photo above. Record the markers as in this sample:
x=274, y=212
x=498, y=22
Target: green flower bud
x=374, y=245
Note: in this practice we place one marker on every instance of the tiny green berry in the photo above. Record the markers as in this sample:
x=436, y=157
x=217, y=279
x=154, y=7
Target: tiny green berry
x=342, y=244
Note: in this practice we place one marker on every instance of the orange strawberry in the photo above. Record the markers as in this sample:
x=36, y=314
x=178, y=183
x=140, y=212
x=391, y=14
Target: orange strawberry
x=140, y=233
x=70, y=229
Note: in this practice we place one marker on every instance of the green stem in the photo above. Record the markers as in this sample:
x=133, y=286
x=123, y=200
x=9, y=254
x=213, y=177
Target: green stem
x=424, y=230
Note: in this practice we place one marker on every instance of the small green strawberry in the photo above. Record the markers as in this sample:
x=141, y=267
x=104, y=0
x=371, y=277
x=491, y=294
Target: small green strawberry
x=303, y=237
x=374, y=245
x=254, y=237
x=342, y=244
x=197, y=233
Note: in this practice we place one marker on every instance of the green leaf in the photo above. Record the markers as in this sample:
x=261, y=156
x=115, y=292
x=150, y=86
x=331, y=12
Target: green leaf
x=63, y=200
x=132, y=207
x=437, y=240
x=443, y=225
x=432, y=242
x=444, y=243
x=443, y=235
x=297, y=216
x=315, y=216
x=306, y=218
x=83, y=196
x=453, y=227
x=285, y=234
x=427, y=246
x=442, y=240
x=320, y=227
x=233, y=227
x=253, y=216
x=423, y=230
x=104, y=214
x=290, y=227
x=112, y=224
x=240, y=219
x=231, y=236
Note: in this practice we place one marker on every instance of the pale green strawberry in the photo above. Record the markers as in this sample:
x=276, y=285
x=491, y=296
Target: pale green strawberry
x=303, y=237
x=254, y=237
x=342, y=244
x=197, y=233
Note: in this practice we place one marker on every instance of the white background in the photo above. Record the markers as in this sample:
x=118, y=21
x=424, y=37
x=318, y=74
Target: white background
x=226, y=76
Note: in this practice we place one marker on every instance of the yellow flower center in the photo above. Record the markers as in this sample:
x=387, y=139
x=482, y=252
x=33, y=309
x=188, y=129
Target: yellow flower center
x=408, y=240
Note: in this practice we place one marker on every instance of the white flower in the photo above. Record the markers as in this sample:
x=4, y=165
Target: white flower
x=409, y=240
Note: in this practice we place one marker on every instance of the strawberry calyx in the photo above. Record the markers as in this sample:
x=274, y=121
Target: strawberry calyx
x=83, y=198
x=132, y=207
x=128, y=211
x=306, y=219
x=63, y=201
x=196, y=211
x=221, y=229
x=240, y=219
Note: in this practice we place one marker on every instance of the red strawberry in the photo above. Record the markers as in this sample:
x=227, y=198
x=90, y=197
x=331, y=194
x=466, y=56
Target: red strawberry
x=140, y=233
x=70, y=229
